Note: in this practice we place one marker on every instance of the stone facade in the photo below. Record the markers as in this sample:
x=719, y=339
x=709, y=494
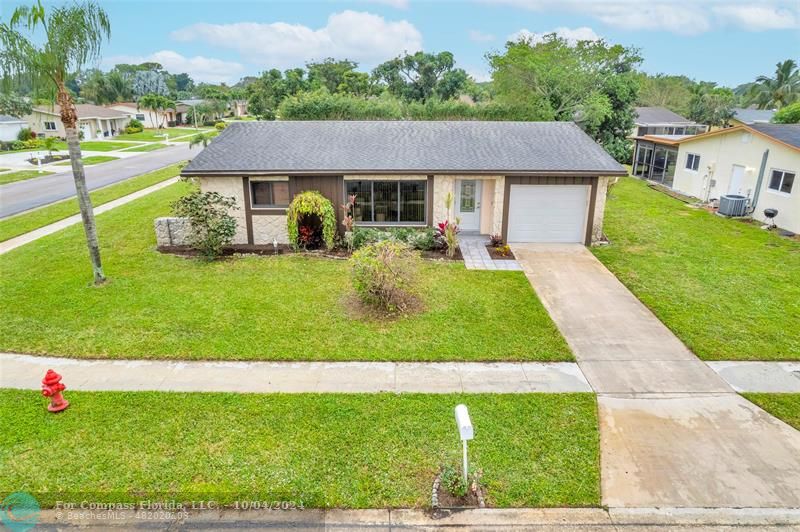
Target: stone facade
x=442, y=184
x=267, y=227
x=230, y=187
x=172, y=232
x=600, y=207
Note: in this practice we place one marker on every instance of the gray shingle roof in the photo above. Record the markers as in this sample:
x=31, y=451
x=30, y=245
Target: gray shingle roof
x=340, y=147
x=659, y=115
x=788, y=133
x=751, y=116
x=10, y=119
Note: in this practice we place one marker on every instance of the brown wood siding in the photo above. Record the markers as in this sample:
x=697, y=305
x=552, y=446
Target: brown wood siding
x=552, y=180
x=429, y=193
x=248, y=214
x=332, y=187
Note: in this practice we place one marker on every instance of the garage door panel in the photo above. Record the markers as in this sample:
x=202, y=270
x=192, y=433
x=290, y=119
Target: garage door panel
x=547, y=213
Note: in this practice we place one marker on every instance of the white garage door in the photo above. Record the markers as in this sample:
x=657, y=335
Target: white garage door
x=548, y=213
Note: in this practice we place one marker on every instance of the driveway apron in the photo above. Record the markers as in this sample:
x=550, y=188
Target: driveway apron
x=673, y=433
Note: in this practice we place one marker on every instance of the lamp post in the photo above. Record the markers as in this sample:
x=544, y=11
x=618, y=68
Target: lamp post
x=465, y=432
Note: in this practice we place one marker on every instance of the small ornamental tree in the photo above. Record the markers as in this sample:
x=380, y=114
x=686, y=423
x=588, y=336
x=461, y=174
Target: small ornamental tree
x=212, y=226
x=311, y=216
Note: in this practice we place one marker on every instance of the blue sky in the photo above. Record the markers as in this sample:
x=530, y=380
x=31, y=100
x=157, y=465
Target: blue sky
x=728, y=42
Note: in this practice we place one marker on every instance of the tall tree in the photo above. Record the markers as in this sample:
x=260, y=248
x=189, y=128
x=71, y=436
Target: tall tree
x=149, y=82
x=329, y=73
x=711, y=105
x=775, y=92
x=661, y=90
x=590, y=82
x=14, y=105
x=73, y=36
x=420, y=76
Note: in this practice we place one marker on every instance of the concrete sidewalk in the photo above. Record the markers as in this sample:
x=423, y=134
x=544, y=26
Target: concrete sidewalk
x=36, y=234
x=513, y=519
x=26, y=371
x=672, y=431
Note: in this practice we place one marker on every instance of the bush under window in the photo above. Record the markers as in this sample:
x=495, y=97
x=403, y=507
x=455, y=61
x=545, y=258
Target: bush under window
x=384, y=275
x=212, y=226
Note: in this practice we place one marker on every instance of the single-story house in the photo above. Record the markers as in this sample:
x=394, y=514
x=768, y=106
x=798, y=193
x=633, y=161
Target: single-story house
x=662, y=121
x=10, y=126
x=94, y=121
x=759, y=161
x=528, y=181
x=149, y=119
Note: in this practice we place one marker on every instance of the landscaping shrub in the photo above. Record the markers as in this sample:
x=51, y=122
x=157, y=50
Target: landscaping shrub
x=171, y=123
x=26, y=133
x=495, y=240
x=788, y=115
x=15, y=145
x=212, y=227
x=311, y=220
x=220, y=126
x=384, y=275
x=420, y=239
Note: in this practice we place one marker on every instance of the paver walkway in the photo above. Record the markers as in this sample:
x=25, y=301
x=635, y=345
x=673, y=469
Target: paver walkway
x=473, y=249
x=26, y=371
x=36, y=234
x=673, y=432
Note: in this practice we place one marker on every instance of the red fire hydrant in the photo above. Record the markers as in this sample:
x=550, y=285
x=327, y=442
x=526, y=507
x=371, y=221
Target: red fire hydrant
x=52, y=388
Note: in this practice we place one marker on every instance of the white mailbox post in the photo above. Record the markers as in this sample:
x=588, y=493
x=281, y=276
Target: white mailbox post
x=465, y=431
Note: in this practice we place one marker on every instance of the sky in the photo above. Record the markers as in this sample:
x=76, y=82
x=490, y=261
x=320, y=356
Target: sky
x=728, y=42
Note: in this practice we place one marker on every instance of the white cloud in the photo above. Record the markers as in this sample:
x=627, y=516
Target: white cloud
x=759, y=17
x=479, y=36
x=198, y=67
x=359, y=36
x=572, y=35
x=399, y=4
x=683, y=17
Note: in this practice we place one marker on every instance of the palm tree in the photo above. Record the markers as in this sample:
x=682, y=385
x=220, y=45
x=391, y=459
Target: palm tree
x=201, y=138
x=72, y=36
x=779, y=91
x=158, y=104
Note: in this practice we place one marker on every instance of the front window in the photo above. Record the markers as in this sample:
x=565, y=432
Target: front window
x=140, y=117
x=692, y=161
x=388, y=202
x=781, y=181
x=50, y=126
x=269, y=194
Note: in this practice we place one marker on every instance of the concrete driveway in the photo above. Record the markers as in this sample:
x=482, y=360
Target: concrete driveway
x=673, y=433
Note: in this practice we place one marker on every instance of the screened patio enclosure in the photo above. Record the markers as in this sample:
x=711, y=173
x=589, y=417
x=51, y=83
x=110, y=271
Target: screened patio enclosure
x=655, y=162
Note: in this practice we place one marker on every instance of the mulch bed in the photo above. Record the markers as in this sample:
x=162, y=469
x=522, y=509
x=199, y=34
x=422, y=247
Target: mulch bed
x=49, y=159
x=496, y=255
x=284, y=249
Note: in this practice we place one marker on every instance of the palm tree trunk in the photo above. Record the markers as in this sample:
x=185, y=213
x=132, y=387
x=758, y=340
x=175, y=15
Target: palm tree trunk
x=69, y=118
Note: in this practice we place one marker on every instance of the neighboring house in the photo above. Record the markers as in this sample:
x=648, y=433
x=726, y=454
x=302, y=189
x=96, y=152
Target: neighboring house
x=759, y=161
x=656, y=132
x=10, y=126
x=153, y=119
x=94, y=121
x=528, y=181
x=751, y=116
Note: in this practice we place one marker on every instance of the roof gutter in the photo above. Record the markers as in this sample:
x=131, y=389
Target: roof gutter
x=493, y=172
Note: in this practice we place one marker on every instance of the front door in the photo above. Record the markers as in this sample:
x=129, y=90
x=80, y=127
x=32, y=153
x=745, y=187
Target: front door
x=468, y=204
x=737, y=176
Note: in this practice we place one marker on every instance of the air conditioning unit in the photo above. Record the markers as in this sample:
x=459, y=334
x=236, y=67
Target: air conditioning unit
x=733, y=205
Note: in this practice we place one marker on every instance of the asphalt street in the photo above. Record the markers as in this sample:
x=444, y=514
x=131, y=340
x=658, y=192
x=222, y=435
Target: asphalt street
x=31, y=193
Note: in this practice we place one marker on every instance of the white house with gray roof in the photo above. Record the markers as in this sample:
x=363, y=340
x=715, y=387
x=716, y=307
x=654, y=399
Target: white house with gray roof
x=10, y=126
x=529, y=181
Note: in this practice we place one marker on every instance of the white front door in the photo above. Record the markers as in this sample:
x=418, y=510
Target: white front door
x=737, y=176
x=468, y=204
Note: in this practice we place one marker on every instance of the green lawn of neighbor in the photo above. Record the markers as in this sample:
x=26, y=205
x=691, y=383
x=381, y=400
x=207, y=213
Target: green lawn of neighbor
x=290, y=307
x=148, y=147
x=157, y=134
x=4, y=169
x=104, y=145
x=318, y=450
x=93, y=159
x=784, y=406
x=23, y=223
x=21, y=175
x=728, y=289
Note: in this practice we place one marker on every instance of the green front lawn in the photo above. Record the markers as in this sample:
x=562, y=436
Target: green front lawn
x=291, y=307
x=148, y=147
x=93, y=159
x=105, y=145
x=26, y=222
x=11, y=177
x=784, y=406
x=318, y=450
x=158, y=134
x=728, y=289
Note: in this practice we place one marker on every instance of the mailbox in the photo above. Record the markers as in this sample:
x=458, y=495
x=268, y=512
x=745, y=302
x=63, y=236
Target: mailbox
x=464, y=423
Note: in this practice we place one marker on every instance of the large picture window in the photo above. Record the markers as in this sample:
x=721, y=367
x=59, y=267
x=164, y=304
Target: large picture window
x=269, y=194
x=388, y=202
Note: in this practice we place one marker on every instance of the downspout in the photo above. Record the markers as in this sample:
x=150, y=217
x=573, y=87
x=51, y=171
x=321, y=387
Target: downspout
x=759, y=181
